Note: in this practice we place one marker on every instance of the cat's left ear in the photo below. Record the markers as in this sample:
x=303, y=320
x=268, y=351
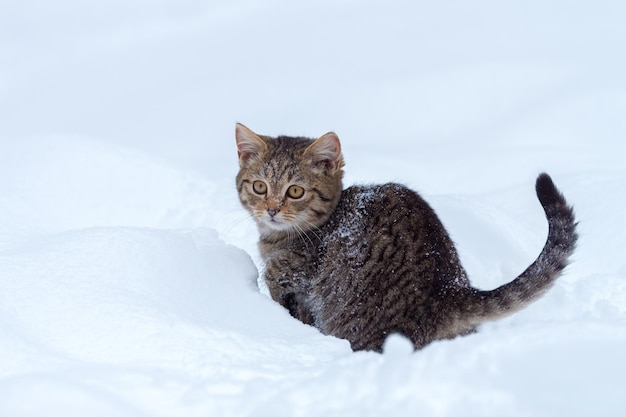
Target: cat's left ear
x=326, y=152
x=249, y=144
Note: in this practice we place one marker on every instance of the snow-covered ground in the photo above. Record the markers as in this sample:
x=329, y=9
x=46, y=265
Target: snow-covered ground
x=128, y=270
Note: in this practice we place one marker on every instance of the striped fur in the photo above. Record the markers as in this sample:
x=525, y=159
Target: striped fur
x=369, y=261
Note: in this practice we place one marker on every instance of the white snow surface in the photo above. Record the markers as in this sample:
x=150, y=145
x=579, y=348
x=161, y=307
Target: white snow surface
x=129, y=272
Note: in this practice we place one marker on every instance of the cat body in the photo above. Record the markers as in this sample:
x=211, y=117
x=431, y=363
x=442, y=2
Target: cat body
x=368, y=261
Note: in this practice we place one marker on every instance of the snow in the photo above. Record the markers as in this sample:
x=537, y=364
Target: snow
x=129, y=271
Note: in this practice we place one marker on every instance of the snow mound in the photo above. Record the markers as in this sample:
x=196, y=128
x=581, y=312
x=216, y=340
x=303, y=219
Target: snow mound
x=103, y=304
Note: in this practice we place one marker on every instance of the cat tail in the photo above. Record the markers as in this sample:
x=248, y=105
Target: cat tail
x=541, y=274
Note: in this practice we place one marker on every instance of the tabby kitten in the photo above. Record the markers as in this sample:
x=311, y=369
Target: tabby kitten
x=368, y=261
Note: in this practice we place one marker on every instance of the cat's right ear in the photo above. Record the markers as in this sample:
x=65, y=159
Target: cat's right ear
x=325, y=152
x=249, y=144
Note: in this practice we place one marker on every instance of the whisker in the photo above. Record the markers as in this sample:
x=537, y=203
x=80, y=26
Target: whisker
x=295, y=229
x=303, y=235
x=314, y=229
x=225, y=226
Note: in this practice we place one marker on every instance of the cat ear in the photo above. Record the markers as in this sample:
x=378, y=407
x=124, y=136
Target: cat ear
x=249, y=144
x=326, y=152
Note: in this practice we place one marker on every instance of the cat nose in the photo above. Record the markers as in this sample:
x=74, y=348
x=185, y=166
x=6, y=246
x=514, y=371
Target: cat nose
x=272, y=211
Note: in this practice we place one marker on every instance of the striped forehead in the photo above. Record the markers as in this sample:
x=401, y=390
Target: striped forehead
x=281, y=171
x=283, y=161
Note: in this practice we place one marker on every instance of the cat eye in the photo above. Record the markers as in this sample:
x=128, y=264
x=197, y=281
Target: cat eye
x=295, y=192
x=259, y=187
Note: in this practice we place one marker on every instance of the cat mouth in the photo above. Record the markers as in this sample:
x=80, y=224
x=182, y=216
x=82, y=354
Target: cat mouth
x=278, y=224
x=275, y=223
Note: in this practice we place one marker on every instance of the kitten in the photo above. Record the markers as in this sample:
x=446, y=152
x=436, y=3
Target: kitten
x=368, y=261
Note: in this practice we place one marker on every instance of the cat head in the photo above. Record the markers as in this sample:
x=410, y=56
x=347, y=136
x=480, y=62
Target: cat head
x=288, y=184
